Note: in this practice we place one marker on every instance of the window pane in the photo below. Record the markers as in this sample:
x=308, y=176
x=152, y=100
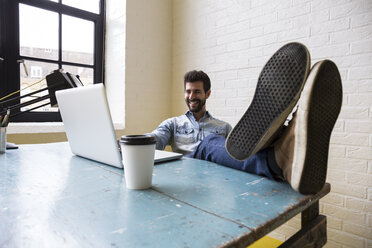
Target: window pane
x=85, y=74
x=77, y=40
x=36, y=72
x=88, y=5
x=38, y=31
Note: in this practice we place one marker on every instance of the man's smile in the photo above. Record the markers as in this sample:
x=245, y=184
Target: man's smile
x=195, y=102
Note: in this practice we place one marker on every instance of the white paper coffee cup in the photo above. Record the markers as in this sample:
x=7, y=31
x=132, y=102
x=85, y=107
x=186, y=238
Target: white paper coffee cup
x=138, y=153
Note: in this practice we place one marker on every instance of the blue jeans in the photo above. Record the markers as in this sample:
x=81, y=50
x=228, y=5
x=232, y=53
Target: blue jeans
x=212, y=149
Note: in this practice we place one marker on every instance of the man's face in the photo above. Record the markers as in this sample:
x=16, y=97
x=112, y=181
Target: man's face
x=195, y=96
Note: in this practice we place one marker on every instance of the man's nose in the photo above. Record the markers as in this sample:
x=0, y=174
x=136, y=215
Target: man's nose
x=191, y=96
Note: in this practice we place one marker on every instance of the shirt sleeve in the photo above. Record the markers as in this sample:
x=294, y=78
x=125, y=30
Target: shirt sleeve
x=163, y=134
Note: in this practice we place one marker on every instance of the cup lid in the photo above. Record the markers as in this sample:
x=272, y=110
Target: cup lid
x=141, y=139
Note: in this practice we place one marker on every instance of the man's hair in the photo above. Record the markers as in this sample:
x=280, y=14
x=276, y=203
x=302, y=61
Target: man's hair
x=195, y=76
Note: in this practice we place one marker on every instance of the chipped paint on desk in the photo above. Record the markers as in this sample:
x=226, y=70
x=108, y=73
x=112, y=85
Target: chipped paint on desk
x=49, y=197
x=49, y=200
x=255, y=202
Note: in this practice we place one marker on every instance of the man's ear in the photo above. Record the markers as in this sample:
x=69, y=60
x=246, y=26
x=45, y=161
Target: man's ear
x=207, y=94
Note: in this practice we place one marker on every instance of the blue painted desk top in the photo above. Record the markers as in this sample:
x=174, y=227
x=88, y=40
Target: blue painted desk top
x=51, y=198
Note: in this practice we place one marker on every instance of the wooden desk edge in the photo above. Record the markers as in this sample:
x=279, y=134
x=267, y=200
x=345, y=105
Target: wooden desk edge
x=255, y=234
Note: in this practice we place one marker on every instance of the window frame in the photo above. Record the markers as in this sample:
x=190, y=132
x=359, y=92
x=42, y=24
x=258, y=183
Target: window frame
x=10, y=49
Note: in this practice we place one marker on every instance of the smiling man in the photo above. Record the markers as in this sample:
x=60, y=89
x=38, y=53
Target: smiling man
x=196, y=97
x=260, y=143
x=184, y=133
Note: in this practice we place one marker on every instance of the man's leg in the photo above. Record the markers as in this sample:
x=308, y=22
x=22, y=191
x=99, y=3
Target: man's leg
x=278, y=89
x=263, y=163
x=302, y=151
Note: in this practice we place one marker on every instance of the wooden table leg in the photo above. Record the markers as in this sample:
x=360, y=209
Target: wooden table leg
x=309, y=214
x=313, y=231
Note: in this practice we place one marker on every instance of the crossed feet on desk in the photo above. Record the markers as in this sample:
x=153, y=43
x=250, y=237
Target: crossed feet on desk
x=301, y=151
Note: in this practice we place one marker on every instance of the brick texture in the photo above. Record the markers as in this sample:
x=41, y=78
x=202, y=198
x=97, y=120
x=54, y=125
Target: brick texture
x=232, y=40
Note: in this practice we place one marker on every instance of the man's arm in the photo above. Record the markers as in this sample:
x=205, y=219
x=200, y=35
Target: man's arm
x=164, y=134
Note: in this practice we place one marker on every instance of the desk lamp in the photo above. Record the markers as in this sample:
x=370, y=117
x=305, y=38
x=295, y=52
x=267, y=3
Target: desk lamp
x=57, y=80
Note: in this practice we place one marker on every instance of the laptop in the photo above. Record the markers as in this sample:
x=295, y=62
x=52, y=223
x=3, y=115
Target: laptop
x=89, y=128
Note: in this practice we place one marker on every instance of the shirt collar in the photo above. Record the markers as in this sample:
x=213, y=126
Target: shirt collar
x=206, y=115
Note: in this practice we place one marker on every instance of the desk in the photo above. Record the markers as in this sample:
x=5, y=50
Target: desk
x=51, y=198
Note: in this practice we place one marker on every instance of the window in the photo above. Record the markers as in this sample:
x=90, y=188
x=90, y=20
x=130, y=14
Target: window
x=36, y=72
x=40, y=36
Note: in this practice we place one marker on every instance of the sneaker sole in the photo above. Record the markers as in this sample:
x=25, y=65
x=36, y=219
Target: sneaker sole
x=278, y=89
x=319, y=107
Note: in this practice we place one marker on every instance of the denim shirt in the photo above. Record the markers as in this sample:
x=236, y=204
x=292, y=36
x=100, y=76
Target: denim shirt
x=184, y=133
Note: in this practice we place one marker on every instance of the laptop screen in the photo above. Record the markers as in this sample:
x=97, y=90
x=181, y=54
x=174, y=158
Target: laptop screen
x=89, y=128
x=88, y=125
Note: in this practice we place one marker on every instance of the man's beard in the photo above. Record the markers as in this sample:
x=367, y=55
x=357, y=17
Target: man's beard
x=201, y=104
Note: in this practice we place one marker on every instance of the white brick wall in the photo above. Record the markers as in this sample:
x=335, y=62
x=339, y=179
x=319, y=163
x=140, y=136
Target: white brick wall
x=231, y=40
